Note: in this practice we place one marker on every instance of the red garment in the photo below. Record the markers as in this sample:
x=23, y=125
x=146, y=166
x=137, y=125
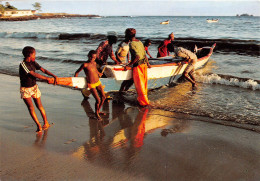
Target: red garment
x=139, y=129
x=162, y=49
x=141, y=81
x=145, y=48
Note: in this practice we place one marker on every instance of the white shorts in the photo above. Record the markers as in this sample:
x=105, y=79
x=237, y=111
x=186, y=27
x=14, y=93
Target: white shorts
x=28, y=92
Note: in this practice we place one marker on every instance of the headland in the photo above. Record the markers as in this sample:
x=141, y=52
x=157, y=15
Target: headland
x=46, y=16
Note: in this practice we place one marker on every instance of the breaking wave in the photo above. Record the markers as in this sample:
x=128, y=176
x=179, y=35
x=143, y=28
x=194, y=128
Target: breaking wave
x=230, y=81
x=34, y=35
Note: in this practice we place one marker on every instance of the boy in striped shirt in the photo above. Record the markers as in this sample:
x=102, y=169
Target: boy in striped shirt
x=29, y=89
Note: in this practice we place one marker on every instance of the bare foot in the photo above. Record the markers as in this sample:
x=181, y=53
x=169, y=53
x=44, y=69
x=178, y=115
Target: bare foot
x=98, y=117
x=39, y=130
x=102, y=113
x=194, y=87
x=45, y=126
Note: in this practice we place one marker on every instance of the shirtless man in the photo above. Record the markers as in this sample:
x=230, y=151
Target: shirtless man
x=94, y=84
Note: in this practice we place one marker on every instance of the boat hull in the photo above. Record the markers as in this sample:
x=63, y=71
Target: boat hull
x=165, y=22
x=174, y=68
x=212, y=21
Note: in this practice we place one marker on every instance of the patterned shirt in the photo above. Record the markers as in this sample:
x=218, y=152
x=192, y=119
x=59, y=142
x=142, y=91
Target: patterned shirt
x=103, y=51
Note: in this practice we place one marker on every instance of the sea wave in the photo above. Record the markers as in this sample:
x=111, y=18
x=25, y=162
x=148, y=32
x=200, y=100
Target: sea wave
x=33, y=35
x=51, y=59
x=156, y=39
x=52, y=35
x=229, y=81
x=250, y=47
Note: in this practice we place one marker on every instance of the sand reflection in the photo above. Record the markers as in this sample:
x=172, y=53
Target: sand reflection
x=41, y=138
x=118, y=139
x=123, y=128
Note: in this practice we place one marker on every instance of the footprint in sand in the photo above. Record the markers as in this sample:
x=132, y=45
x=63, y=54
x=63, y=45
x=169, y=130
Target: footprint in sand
x=28, y=126
x=70, y=141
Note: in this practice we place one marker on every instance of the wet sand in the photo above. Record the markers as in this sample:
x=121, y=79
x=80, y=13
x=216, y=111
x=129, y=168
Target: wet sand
x=129, y=144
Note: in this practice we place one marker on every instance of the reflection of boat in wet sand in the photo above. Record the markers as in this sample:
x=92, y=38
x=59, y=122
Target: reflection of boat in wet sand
x=212, y=20
x=165, y=22
x=163, y=71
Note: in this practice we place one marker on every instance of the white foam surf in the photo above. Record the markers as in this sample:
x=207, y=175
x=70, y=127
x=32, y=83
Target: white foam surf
x=38, y=35
x=217, y=79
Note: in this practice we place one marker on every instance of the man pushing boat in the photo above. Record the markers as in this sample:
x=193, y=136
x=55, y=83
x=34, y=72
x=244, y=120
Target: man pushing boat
x=105, y=49
x=163, y=49
x=140, y=64
x=188, y=56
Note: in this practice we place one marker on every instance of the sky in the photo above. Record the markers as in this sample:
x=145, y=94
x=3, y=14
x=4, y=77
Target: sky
x=145, y=7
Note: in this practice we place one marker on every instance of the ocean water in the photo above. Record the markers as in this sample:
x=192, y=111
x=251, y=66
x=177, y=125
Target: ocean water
x=229, y=85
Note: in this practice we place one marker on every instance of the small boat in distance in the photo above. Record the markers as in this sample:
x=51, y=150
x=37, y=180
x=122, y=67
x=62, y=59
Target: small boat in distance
x=165, y=22
x=212, y=20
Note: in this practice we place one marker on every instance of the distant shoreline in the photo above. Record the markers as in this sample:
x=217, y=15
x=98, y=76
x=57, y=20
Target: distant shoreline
x=66, y=15
x=46, y=16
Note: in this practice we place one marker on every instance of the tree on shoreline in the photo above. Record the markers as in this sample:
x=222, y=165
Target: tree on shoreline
x=8, y=6
x=37, y=6
x=2, y=8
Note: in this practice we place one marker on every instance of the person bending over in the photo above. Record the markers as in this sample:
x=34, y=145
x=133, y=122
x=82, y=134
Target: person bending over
x=190, y=57
x=105, y=49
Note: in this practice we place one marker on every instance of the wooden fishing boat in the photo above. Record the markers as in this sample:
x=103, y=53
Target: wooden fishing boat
x=165, y=22
x=212, y=20
x=163, y=71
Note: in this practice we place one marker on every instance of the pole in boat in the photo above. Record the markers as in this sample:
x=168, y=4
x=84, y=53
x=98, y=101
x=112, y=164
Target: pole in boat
x=175, y=73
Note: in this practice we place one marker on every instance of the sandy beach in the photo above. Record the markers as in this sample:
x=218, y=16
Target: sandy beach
x=129, y=144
